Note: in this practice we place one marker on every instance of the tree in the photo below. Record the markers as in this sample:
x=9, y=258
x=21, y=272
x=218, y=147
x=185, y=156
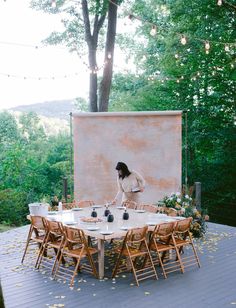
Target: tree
x=87, y=27
x=190, y=77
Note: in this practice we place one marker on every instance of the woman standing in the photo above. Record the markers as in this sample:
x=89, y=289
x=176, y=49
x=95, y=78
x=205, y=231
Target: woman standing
x=130, y=183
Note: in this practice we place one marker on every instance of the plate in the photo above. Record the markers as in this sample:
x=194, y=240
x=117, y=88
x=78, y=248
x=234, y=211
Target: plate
x=106, y=232
x=94, y=228
x=52, y=213
x=77, y=209
x=96, y=206
x=70, y=223
x=179, y=218
x=161, y=215
x=151, y=223
x=140, y=211
x=120, y=207
x=125, y=228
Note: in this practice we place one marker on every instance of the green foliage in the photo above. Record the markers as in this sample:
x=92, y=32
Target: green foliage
x=32, y=167
x=13, y=207
x=206, y=89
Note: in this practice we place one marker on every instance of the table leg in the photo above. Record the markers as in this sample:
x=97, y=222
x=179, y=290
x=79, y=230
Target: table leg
x=101, y=258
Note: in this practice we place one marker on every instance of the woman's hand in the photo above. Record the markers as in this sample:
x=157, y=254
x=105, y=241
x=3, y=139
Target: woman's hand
x=113, y=202
x=142, y=189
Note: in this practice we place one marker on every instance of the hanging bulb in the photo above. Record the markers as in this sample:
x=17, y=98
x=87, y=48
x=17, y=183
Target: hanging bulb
x=183, y=40
x=207, y=47
x=177, y=80
x=219, y=2
x=227, y=48
x=176, y=56
x=153, y=31
x=54, y=4
x=109, y=55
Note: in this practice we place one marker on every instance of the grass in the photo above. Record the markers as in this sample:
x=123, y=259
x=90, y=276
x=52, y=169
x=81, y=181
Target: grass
x=5, y=227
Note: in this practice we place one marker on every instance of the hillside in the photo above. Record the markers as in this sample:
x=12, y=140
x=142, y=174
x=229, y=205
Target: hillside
x=52, y=109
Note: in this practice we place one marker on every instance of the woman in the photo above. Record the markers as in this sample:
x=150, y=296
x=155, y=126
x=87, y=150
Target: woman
x=130, y=183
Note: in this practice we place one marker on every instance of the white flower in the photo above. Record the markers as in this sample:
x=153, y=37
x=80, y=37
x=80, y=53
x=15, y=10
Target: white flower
x=190, y=199
x=178, y=194
x=182, y=210
x=178, y=200
x=170, y=199
x=187, y=196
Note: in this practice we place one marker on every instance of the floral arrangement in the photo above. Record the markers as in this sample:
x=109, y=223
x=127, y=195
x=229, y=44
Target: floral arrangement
x=184, y=204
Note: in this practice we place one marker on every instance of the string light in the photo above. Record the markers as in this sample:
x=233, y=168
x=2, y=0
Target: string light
x=153, y=31
x=207, y=47
x=227, y=48
x=109, y=55
x=183, y=40
x=219, y=2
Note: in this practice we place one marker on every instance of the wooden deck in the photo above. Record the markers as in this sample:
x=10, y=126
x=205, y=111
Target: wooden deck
x=213, y=285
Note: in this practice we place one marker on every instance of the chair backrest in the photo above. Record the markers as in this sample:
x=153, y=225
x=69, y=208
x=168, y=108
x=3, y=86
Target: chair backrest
x=171, y=211
x=85, y=203
x=163, y=231
x=130, y=204
x=75, y=236
x=149, y=208
x=37, y=222
x=54, y=227
x=183, y=226
x=136, y=235
x=68, y=206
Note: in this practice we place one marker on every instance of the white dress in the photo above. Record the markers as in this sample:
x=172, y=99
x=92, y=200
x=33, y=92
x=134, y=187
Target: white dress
x=128, y=185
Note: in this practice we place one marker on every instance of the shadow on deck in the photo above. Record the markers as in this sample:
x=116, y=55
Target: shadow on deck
x=213, y=285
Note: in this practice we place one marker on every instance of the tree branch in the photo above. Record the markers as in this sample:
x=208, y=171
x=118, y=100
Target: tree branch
x=88, y=36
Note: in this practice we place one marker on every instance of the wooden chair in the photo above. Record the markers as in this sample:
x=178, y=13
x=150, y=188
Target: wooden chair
x=85, y=203
x=171, y=212
x=68, y=206
x=182, y=237
x=149, y=208
x=37, y=233
x=135, y=249
x=76, y=247
x=161, y=243
x=130, y=204
x=54, y=239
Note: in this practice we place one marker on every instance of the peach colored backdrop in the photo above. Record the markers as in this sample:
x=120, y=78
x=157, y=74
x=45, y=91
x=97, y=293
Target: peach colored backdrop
x=148, y=142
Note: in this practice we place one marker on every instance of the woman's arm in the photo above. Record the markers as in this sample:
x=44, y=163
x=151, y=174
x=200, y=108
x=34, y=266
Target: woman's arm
x=140, y=180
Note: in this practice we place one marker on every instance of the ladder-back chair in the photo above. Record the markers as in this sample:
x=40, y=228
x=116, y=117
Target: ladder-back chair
x=182, y=238
x=76, y=247
x=135, y=249
x=161, y=243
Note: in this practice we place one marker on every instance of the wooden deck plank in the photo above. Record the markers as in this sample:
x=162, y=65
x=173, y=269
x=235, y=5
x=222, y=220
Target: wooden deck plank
x=213, y=285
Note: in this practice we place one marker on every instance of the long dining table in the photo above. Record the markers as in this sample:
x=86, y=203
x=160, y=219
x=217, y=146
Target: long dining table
x=105, y=231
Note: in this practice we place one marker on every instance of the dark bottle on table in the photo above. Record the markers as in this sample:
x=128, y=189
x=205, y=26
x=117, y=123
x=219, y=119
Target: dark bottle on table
x=110, y=218
x=126, y=215
x=94, y=213
x=107, y=211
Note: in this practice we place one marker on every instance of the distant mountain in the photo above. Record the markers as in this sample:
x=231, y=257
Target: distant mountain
x=52, y=109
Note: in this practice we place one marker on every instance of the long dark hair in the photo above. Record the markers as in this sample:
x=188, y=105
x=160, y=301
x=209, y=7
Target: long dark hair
x=124, y=170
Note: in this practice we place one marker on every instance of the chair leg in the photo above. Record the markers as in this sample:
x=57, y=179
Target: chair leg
x=27, y=243
x=58, y=266
x=117, y=265
x=75, y=272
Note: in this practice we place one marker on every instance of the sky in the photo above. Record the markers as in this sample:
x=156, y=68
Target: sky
x=23, y=26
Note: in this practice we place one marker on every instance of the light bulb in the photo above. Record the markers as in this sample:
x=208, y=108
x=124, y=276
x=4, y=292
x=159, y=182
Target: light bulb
x=207, y=45
x=109, y=55
x=54, y=4
x=226, y=48
x=153, y=31
x=219, y=2
x=183, y=40
x=176, y=56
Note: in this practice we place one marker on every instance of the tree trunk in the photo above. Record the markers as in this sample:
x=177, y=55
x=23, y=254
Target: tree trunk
x=93, y=84
x=92, y=40
x=105, y=85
